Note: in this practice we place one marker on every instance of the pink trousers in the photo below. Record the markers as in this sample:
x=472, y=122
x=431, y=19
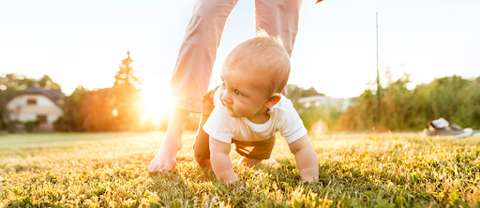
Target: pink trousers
x=197, y=54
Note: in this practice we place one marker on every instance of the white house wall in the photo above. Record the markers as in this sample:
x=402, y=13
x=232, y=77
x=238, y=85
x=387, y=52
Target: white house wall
x=24, y=117
x=19, y=110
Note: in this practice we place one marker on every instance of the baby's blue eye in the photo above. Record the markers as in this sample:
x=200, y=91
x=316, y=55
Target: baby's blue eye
x=238, y=93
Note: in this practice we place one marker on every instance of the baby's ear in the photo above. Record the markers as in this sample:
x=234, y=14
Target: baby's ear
x=272, y=100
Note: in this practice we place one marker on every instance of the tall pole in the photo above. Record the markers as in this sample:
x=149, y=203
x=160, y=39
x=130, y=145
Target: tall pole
x=377, y=110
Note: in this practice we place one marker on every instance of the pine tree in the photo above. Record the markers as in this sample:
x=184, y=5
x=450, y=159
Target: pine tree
x=127, y=99
x=126, y=75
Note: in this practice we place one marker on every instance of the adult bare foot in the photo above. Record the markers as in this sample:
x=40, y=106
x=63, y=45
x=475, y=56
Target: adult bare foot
x=165, y=159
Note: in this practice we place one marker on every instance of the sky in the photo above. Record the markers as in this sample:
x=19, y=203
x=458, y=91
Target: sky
x=83, y=42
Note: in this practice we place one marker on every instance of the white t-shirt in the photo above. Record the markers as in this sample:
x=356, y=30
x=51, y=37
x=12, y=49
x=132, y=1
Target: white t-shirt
x=283, y=118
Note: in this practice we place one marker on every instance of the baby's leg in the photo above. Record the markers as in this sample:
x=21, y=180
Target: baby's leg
x=249, y=161
x=271, y=160
x=252, y=162
x=201, y=146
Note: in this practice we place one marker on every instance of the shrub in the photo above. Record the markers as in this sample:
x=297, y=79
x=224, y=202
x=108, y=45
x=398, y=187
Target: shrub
x=31, y=125
x=453, y=98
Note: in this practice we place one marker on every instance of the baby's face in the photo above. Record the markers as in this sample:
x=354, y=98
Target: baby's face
x=242, y=94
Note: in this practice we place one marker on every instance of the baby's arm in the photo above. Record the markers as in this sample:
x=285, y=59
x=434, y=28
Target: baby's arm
x=307, y=162
x=221, y=163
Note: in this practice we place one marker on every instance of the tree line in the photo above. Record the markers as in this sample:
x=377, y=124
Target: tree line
x=401, y=109
x=118, y=108
x=454, y=98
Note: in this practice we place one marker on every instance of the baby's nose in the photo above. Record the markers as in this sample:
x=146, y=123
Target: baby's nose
x=225, y=99
x=224, y=103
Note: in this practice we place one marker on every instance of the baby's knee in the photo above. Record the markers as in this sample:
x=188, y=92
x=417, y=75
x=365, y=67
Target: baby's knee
x=203, y=161
x=201, y=151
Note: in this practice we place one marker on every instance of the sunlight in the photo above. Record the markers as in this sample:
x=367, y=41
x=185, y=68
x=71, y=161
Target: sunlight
x=156, y=103
x=319, y=128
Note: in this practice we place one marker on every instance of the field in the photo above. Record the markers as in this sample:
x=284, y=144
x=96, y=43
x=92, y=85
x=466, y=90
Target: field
x=357, y=170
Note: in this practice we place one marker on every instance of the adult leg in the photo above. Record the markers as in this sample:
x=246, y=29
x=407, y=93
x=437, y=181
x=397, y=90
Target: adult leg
x=165, y=159
x=279, y=18
x=192, y=73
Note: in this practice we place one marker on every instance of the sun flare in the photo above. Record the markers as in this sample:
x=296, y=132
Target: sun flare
x=156, y=104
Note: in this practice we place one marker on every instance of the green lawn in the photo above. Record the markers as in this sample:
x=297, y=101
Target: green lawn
x=358, y=170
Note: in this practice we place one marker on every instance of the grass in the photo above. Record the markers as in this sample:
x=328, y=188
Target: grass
x=358, y=170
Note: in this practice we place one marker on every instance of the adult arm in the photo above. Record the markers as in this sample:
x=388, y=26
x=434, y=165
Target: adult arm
x=220, y=159
x=307, y=162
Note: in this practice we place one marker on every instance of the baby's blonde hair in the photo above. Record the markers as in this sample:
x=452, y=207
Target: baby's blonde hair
x=262, y=56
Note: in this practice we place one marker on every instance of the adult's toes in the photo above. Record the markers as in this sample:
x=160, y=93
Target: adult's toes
x=153, y=167
x=150, y=167
x=167, y=168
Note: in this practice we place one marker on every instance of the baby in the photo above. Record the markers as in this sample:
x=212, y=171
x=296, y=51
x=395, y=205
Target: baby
x=248, y=109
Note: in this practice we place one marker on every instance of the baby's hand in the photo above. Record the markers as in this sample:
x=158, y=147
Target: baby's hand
x=307, y=161
x=221, y=163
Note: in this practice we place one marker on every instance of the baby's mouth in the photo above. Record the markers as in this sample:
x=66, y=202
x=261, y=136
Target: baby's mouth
x=228, y=107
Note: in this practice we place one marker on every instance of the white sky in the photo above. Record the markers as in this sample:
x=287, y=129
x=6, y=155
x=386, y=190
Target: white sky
x=82, y=42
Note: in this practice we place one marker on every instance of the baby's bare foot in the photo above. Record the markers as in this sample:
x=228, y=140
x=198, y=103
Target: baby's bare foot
x=271, y=160
x=249, y=162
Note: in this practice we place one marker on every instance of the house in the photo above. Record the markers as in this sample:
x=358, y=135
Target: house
x=314, y=101
x=36, y=103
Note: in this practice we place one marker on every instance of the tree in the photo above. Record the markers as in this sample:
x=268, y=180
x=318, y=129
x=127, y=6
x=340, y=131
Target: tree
x=86, y=110
x=108, y=109
x=126, y=96
x=294, y=93
x=47, y=83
